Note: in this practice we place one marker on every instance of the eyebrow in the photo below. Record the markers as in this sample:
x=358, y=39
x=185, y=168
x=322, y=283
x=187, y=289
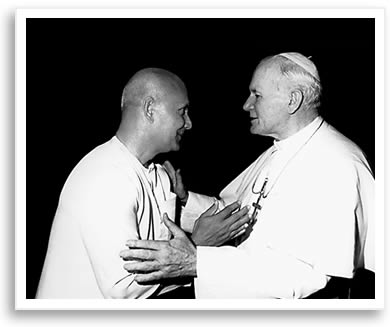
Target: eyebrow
x=184, y=107
x=254, y=90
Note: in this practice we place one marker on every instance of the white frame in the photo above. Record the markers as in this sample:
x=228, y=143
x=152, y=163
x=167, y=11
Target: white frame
x=21, y=303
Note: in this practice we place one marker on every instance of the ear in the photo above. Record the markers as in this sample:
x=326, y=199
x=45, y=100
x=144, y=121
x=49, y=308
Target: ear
x=148, y=108
x=296, y=98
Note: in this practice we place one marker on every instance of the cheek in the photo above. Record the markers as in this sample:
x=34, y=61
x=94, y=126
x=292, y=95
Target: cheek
x=262, y=110
x=172, y=124
x=267, y=110
x=257, y=108
x=180, y=122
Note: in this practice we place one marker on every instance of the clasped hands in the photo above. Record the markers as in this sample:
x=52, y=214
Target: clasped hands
x=157, y=260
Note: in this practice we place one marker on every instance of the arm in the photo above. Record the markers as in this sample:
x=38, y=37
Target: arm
x=178, y=256
x=228, y=272
x=108, y=218
x=223, y=272
x=194, y=205
x=158, y=260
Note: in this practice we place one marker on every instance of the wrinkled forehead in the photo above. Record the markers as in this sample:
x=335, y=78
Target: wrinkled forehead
x=266, y=75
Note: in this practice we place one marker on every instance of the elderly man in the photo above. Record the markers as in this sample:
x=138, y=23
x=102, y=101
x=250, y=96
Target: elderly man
x=312, y=193
x=116, y=192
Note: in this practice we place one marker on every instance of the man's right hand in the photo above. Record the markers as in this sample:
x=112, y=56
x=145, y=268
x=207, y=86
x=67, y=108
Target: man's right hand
x=215, y=229
x=152, y=261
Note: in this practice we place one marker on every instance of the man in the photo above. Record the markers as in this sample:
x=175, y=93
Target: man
x=312, y=193
x=117, y=192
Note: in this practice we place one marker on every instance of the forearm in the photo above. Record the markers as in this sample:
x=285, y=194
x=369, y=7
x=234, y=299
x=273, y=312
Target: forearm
x=188, y=266
x=228, y=272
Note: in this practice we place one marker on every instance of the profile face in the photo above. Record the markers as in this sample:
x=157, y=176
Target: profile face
x=174, y=119
x=267, y=102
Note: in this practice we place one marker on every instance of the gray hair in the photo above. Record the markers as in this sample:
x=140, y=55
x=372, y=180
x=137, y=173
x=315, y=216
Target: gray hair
x=303, y=78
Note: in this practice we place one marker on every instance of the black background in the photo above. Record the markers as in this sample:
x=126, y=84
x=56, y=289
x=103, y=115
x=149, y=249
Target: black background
x=77, y=68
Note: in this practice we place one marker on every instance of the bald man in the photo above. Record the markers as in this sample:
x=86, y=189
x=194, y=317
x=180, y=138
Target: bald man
x=312, y=193
x=116, y=192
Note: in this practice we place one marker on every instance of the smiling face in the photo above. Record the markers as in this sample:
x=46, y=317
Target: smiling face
x=268, y=101
x=173, y=118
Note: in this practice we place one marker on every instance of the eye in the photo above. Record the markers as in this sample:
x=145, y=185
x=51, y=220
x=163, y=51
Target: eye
x=183, y=111
x=256, y=94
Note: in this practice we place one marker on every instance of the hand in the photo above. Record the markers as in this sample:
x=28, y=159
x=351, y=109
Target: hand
x=177, y=182
x=156, y=260
x=212, y=229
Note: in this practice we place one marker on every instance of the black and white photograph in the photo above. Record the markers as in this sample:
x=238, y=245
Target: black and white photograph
x=198, y=155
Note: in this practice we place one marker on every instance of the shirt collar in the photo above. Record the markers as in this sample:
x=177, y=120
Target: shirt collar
x=151, y=167
x=299, y=137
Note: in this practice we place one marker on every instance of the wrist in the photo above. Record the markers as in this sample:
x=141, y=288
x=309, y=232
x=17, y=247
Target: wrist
x=190, y=262
x=184, y=199
x=193, y=272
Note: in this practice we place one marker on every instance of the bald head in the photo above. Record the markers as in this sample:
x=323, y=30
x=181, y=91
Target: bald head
x=155, y=83
x=154, y=113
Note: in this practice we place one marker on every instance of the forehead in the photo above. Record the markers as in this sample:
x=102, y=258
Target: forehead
x=266, y=76
x=176, y=96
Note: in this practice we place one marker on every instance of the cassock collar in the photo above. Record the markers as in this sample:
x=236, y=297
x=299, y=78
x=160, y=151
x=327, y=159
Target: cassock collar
x=298, y=139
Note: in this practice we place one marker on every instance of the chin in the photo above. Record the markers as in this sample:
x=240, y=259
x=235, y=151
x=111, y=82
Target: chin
x=176, y=147
x=253, y=130
x=256, y=131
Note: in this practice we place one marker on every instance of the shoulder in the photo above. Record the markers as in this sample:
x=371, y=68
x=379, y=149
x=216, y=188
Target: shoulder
x=335, y=156
x=336, y=147
x=104, y=169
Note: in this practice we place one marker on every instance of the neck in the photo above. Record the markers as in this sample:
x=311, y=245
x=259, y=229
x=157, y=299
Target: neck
x=294, y=125
x=137, y=146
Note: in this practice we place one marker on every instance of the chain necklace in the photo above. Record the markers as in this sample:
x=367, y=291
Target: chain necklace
x=262, y=193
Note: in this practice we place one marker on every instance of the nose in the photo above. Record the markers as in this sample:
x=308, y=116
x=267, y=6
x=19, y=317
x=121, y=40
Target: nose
x=248, y=103
x=188, y=122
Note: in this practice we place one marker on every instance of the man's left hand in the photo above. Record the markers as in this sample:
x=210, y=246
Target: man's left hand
x=177, y=182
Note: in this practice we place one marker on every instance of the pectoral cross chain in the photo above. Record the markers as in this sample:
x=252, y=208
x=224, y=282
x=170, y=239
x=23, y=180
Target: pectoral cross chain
x=256, y=204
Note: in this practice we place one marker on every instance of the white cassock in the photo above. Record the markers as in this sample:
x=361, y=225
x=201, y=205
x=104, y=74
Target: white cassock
x=109, y=198
x=316, y=220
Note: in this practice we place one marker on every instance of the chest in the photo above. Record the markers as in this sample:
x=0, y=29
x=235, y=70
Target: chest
x=286, y=213
x=153, y=200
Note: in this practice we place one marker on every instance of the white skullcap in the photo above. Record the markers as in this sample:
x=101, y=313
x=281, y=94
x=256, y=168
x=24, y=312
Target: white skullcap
x=303, y=62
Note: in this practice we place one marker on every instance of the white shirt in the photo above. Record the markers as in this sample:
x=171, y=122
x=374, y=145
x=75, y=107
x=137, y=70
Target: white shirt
x=314, y=222
x=109, y=197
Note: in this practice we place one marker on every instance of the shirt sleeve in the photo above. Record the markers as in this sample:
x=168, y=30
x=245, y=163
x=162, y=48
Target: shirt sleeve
x=195, y=206
x=108, y=218
x=228, y=272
